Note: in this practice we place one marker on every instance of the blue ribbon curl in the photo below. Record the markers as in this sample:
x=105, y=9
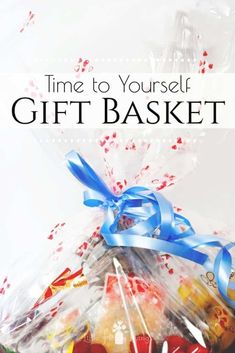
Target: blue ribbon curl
x=155, y=225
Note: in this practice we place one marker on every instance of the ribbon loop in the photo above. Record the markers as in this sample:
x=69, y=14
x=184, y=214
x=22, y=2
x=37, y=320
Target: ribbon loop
x=86, y=175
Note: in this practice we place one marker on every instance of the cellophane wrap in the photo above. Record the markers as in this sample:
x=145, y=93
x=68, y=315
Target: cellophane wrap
x=81, y=295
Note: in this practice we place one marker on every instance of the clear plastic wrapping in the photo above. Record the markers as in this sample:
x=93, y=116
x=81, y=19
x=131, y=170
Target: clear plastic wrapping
x=96, y=298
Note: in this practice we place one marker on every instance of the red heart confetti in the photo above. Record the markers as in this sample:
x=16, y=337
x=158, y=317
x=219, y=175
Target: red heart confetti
x=29, y=21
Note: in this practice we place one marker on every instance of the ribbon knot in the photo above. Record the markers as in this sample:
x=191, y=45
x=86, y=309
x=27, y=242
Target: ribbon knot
x=154, y=225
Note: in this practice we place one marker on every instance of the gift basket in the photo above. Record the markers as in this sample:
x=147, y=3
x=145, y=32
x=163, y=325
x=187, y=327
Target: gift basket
x=137, y=278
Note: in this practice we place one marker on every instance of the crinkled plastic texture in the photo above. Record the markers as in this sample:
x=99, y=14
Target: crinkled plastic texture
x=193, y=46
x=157, y=163
x=120, y=307
x=92, y=297
x=194, y=295
x=90, y=303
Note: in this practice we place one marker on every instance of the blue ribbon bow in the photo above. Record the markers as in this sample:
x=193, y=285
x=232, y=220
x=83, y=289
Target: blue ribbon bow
x=155, y=224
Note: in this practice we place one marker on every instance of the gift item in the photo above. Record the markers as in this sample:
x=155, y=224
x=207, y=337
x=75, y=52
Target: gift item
x=119, y=312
